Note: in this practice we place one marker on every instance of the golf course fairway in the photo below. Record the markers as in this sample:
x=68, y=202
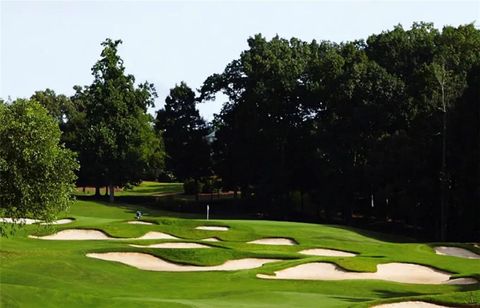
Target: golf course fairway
x=47, y=273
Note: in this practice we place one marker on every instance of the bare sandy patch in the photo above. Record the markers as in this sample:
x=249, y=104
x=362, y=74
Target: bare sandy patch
x=273, y=241
x=456, y=252
x=86, y=234
x=211, y=239
x=139, y=222
x=155, y=235
x=177, y=245
x=397, y=272
x=25, y=221
x=326, y=252
x=75, y=235
x=460, y=281
x=410, y=304
x=59, y=222
x=151, y=263
x=212, y=228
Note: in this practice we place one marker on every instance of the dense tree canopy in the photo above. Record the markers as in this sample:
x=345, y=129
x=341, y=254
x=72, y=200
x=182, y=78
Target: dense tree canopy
x=366, y=128
x=37, y=173
x=185, y=135
x=117, y=142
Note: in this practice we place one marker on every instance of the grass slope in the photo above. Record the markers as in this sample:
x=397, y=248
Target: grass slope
x=40, y=273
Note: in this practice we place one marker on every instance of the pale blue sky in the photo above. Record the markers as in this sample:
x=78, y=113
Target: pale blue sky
x=53, y=44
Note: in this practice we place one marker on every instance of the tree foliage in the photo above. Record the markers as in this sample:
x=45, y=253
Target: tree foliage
x=185, y=135
x=117, y=142
x=37, y=173
x=366, y=128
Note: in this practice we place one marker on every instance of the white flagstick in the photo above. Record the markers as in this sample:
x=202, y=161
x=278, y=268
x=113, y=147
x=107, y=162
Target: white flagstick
x=208, y=210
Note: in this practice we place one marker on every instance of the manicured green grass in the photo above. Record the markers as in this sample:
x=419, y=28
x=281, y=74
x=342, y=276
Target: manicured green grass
x=146, y=188
x=40, y=273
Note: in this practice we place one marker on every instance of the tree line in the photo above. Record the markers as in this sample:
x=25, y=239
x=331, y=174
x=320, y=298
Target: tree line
x=385, y=129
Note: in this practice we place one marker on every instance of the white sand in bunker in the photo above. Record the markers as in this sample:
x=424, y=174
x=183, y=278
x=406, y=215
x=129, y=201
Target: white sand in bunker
x=86, y=234
x=59, y=222
x=75, y=235
x=397, y=272
x=456, y=252
x=155, y=235
x=177, y=245
x=139, y=222
x=211, y=239
x=151, y=263
x=326, y=252
x=212, y=228
x=28, y=221
x=409, y=304
x=273, y=241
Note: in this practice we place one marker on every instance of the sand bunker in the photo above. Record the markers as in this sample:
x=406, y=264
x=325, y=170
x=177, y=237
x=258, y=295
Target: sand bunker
x=151, y=263
x=85, y=234
x=75, y=235
x=212, y=228
x=211, y=239
x=59, y=222
x=178, y=245
x=459, y=281
x=410, y=304
x=154, y=235
x=456, y=252
x=273, y=241
x=397, y=272
x=326, y=252
x=139, y=222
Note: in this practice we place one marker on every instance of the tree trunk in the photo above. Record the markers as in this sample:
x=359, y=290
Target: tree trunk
x=301, y=200
x=443, y=172
x=112, y=193
x=196, y=190
x=441, y=78
x=444, y=181
x=106, y=191
x=97, y=191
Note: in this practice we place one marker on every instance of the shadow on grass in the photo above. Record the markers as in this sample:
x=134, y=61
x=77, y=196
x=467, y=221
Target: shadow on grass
x=396, y=294
x=386, y=237
x=171, y=206
x=352, y=299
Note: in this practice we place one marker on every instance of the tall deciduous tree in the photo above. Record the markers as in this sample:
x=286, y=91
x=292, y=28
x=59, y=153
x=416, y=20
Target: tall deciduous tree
x=118, y=142
x=185, y=134
x=37, y=173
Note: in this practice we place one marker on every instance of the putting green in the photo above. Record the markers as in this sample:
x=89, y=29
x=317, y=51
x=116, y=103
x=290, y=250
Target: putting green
x=49, y=273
